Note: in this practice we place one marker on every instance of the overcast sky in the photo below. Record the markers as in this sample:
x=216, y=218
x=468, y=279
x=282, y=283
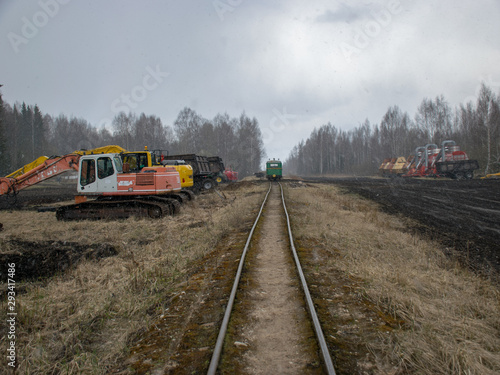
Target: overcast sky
x=294, y=65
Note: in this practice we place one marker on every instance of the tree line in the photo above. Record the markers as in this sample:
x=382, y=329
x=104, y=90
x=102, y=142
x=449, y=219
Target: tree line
x=474, y=126
x=26, y=133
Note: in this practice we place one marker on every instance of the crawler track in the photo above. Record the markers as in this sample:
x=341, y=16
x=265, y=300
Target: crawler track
x=308, y=303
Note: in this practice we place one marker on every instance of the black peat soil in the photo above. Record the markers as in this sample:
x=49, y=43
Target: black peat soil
x=40, y=259
x=464, y=216
x=31, y=198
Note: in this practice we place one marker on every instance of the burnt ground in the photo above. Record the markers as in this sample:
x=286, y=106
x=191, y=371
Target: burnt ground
x=464, y=216
x=40, y=259
x=32, y=197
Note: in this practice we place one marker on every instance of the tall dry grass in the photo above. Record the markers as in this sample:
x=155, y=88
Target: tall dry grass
x=84, y=320
x=450, y=316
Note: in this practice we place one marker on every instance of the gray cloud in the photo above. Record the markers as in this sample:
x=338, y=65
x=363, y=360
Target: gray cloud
x=344, y=13
x=262, y=57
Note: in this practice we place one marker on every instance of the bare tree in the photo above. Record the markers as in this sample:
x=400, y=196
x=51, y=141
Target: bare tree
x=488, y=121
x=434, y=117
x=225, y=137
x=250, y=147
x=187, y=127
x=394, y=129
x=123, y=129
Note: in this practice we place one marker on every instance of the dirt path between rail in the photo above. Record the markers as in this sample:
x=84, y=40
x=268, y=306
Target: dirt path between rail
x=271, y=320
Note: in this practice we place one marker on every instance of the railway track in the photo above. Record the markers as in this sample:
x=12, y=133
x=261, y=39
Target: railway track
x=271, y=313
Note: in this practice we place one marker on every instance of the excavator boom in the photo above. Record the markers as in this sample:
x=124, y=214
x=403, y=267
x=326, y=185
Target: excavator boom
x=111, y=149
x=28, y=167
x=43, y=168
x=51, y=167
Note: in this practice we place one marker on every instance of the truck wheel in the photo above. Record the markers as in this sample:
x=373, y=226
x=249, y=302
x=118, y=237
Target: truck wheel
x=208, y=184
x=469, y=175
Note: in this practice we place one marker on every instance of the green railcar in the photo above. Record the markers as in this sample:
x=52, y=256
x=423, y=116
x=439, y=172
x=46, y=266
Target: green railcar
x=274, y=170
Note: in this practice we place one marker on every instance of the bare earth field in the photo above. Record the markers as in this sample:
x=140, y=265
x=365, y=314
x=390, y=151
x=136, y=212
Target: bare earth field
x=462, y=215
x=404, y=274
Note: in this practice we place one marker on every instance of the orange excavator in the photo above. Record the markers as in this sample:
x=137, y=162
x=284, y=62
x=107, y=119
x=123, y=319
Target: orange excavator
x=106, y=188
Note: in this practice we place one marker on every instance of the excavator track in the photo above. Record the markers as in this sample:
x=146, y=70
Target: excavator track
x=119, y=209
x=183, y=196
x=189, y=194
x=172, y=203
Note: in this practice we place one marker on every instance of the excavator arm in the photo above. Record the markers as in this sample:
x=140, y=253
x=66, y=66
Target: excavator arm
x=44, y=168
x=49, y=168
x=27, y=167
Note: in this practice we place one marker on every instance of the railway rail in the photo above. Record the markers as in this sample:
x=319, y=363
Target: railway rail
x=324, y=352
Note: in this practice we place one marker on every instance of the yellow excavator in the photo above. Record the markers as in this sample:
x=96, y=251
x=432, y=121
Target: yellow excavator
x=136, y=160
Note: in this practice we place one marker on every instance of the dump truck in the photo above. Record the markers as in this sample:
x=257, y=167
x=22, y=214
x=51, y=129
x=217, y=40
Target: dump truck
x=204, y=178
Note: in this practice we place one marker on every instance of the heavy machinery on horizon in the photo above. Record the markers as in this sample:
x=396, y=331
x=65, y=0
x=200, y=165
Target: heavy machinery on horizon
x=432, y=161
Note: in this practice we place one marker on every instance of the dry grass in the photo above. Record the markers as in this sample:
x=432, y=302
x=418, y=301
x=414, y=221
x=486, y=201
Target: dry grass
x=84, y=320
x=450, y=321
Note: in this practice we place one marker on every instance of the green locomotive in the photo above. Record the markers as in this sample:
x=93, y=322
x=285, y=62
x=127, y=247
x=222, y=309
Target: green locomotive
x=274, y=170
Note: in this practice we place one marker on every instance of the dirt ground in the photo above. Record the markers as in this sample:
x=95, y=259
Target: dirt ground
x=462, y=215
x=43, y=193
x=37, y=259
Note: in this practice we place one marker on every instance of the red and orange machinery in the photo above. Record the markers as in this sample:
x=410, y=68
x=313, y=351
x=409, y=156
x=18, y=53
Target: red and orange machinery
x=432, y=161
x=447, y=161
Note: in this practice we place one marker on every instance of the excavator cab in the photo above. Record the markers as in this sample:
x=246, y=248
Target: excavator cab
x=98, y=173
x=136, y=160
